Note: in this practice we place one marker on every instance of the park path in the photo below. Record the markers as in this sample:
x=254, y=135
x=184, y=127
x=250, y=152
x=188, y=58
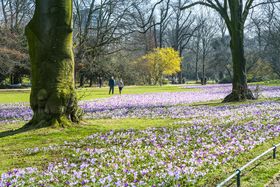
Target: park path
x=14, y=90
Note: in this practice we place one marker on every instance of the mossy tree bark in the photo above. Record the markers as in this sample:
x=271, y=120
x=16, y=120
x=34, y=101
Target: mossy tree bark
x=49, y=33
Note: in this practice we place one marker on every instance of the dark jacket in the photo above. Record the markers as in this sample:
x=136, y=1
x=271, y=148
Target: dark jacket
x=111, y=82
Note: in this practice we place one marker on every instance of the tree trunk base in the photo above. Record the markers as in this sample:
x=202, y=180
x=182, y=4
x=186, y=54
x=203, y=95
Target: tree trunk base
x=236, y=96
x=49, y=122
x=41, y=120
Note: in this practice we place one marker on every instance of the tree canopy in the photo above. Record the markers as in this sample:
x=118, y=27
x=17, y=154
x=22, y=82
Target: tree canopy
x=162, y=61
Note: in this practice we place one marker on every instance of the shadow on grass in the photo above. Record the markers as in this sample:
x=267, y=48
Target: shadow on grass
x=18, y=131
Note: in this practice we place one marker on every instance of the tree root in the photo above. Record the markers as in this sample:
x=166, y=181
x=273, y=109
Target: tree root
x=41, y=120
x=241, y=95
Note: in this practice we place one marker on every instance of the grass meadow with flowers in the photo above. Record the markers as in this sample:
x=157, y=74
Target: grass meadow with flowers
x=149, y=136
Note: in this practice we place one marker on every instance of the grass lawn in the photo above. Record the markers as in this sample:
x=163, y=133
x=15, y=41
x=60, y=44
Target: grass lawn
x=12, y=147
x=15, y=96
x=269, y=83
x=13, y=154
x=258, y=174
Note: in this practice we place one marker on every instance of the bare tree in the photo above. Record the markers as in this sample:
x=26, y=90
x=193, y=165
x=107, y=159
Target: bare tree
x=16, y=12
x=207, y=33
x=271, y=37
x=181, y=29
x=164, y=18
x=220, y=63
x=234, y=13
x=13, y=51
x=144, y=22
x=100, y=27
x=201, y=44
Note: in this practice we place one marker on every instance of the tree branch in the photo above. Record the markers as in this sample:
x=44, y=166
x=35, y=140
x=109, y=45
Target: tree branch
x=265, y=3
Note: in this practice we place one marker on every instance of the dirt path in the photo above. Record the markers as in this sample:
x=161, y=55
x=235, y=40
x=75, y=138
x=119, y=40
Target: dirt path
x=15, y=90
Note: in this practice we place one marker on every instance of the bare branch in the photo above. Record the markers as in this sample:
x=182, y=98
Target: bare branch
x=265, y=3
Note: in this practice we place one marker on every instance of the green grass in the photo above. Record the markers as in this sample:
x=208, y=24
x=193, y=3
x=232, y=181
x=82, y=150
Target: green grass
x=94, y=93
x=268, y=83
x=13, y=156
x=15, y=96
x=11, y=147
x=220, y=102
x=258, y=174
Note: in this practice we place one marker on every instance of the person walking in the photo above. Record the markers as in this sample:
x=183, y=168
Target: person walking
x=111, y=85
x=100, y=82
x=120, y=85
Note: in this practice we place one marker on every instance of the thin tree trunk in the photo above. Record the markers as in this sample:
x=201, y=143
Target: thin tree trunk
x=11, y=15
x=229, y=73
x=160, y=36
x=4, y=12
x=49, y=33
x=155, y=35
x=82, y=80
x=17, y=78
x=203, y=70
x=11, y=79
x=197, y=58
x=181, y=67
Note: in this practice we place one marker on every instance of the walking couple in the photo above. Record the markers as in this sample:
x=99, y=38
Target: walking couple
x=112, y=84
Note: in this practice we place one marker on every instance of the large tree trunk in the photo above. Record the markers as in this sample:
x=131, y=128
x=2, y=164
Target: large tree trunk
x=49, y=33
x=240, y=90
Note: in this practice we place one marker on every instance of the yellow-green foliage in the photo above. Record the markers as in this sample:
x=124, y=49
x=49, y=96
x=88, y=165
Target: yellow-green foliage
x=165, y=61
x=161, y=61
